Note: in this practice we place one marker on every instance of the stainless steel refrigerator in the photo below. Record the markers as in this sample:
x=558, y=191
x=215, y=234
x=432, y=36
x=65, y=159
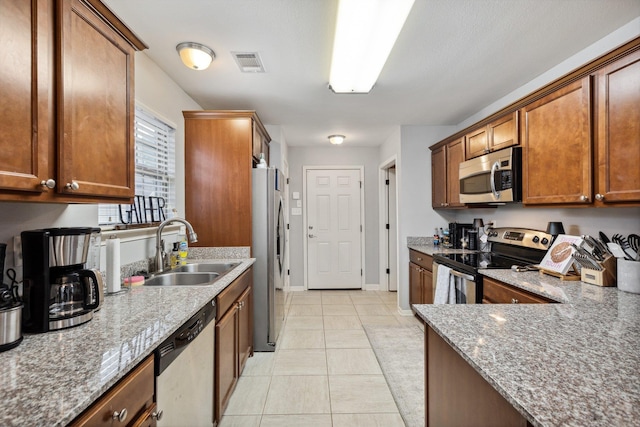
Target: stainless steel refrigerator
x=268, y=250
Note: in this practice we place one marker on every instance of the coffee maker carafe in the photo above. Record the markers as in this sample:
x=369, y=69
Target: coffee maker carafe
x=58, y=291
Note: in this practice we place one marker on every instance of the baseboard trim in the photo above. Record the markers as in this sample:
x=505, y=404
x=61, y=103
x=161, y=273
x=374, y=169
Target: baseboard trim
x=371, y=287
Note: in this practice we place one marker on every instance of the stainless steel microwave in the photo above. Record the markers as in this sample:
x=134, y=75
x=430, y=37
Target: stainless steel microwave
x=493, y=178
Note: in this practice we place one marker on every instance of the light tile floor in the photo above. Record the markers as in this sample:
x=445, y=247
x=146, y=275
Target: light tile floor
x=324, y=372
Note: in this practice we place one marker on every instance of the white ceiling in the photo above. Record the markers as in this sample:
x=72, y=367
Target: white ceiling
x=452, y=58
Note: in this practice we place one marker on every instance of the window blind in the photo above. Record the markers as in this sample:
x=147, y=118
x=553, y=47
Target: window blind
x=155, y=165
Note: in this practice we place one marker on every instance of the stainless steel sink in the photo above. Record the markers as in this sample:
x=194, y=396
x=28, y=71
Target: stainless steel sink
x=195, y=274
x=219, y=268
x=182, y=279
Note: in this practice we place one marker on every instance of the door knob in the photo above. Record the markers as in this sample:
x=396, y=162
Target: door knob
x=311, y=236
x=72, y=185
x=49, y=183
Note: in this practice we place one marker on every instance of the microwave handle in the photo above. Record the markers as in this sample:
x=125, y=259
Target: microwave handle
x=492, y=179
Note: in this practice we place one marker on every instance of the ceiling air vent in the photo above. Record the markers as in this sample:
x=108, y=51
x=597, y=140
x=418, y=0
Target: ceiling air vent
x=248, y=62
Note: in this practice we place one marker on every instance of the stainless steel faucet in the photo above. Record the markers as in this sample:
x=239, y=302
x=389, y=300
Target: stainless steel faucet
x=160, y=254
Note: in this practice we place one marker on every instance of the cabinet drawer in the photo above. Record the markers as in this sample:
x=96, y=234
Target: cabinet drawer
x=424, y=261
x=495, y=292
x=228, y=297
x=134, y=392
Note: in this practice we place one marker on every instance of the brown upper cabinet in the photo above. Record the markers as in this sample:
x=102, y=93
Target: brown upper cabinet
x=68, y=129
x=445, y=173
x=500, y=133
x=618, y=132
x=218, y=161
x=580, y=137
x=556, y=141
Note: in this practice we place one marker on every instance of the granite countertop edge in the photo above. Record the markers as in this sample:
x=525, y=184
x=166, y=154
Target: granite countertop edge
x=96, y=355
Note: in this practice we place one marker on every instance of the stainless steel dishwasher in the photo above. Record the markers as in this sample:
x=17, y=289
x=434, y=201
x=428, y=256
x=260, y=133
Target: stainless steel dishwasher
x=184, y=368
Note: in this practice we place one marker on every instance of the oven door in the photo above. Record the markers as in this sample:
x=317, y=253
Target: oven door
x=468, y=290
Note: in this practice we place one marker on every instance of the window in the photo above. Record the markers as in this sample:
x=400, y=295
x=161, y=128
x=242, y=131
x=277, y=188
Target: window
x=154, y=167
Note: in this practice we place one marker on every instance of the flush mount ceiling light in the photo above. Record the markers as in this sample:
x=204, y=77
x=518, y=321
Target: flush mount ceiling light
x=336, y=139
x=195, y=55
x=366, y=31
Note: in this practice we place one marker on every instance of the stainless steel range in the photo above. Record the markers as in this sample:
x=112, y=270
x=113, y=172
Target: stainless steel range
x=519, y=247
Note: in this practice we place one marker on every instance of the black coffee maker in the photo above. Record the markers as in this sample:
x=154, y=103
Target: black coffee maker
x=58, y=291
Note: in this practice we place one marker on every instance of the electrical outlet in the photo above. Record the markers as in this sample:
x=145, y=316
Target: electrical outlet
x=17, y=251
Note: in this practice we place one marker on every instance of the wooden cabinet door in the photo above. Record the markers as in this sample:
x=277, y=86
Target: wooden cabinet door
x=415, y=284
x=503, y=132
x=226, y=358
x=496, y=292
x=245, y=327
x=438, y=177
x=457, y=395
x=455, y=156
x=218, y=178
x=26, y=85
x=95, y=106
x=427, y=287
x=134, y=393
x=476, y=142
x=557, y=147
x=618, y=131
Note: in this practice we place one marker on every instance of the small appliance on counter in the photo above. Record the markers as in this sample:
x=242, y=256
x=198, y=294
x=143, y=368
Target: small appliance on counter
x=58, y=290
x=457, y=232
x=10, y=308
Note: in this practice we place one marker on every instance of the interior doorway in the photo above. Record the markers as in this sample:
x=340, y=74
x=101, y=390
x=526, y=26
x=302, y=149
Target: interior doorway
x=333, y=228
x=389, y=225
x=392, y=230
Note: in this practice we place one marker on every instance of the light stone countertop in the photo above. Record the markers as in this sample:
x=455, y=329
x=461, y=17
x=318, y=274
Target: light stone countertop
x=50, y=378
x=576, y=363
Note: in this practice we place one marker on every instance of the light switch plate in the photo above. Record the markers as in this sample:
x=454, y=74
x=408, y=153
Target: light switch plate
x=298, y=203
x=296, y=211
x=295, y=195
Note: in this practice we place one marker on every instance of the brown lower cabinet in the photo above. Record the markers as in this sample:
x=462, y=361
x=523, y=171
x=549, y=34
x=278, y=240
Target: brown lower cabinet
x=456, y=395
x=497, y=292
x=233, y=338
x=134, y=394
x=420, y=278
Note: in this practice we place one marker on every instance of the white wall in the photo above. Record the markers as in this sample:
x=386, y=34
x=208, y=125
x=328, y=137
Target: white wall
x=336, y=156
x=415, y=216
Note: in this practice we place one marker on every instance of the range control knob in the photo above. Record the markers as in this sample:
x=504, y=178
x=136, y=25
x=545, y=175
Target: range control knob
x=536, y=239
x=545, y=240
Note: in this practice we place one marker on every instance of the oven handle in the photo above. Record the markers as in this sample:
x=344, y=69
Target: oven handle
x=464, y=276
x=492, y=179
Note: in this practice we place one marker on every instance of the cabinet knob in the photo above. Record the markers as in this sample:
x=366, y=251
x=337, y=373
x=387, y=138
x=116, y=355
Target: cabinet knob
x=514, y=301
x=157, y=415
x=50, y=183
x=120, y=416
x=73, y=185
x=584, y=198
x=599, y=196
x=311, y=236
x=419, y=259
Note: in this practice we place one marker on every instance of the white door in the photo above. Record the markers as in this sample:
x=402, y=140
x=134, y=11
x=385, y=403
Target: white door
x=334, y=248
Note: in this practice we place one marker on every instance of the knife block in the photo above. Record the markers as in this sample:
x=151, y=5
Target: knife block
x=606, y=277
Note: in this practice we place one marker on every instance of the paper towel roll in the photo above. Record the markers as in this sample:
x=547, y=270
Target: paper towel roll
x=113, y=265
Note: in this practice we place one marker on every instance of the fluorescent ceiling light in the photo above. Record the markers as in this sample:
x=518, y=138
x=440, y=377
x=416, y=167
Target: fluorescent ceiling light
x=366, y=31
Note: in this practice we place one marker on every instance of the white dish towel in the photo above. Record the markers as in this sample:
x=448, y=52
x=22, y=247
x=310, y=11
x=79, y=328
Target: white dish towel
x=443, y=285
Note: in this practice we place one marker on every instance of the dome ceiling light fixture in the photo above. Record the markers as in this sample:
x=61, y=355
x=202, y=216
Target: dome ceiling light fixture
x=195, y=55
x=336, y=139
